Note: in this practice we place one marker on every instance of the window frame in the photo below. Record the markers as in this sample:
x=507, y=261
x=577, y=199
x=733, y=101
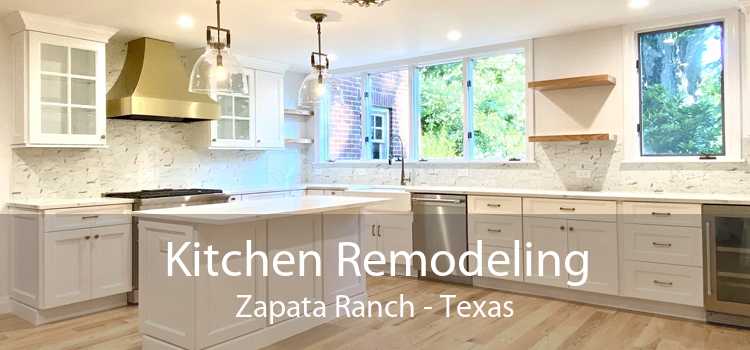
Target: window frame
x=733, y=113
x=411, y=65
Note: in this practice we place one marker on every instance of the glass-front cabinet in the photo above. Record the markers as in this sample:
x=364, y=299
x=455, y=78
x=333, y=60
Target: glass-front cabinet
x=235, y=128
x=59, y=88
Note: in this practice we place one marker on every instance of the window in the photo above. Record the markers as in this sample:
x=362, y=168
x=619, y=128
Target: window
x=345, y=118
x=441, y=109
x=683, y=95
x=682, y=91
x=499, y=107
x=471, y=106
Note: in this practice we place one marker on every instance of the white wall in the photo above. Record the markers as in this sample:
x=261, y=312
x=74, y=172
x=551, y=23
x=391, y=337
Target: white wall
x=5, y=162
x=292, y=82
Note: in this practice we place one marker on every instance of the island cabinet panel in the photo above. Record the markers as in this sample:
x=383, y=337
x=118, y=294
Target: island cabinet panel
x=167, y=305
x=111, y=260
x=218, y=302
x=67, y=268
x=295, y=234
x=341, y=227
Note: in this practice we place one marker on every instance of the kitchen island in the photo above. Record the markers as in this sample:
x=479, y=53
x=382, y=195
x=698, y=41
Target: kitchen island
x=200, y=311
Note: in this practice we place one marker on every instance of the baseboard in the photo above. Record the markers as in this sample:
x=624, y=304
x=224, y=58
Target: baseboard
x=5, y=307
x=39, y=317
x=610, y=301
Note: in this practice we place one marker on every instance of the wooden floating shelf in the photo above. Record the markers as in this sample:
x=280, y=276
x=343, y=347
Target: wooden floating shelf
x=298, y=113
x=300, y=141
x=568, y=138
x=573, y=83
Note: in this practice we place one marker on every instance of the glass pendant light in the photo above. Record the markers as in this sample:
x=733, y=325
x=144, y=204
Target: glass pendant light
x=316, y=84
x=217, y=70
x=366, y=3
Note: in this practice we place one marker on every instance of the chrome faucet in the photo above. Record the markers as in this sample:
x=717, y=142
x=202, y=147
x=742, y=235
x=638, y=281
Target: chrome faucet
x=404, y=179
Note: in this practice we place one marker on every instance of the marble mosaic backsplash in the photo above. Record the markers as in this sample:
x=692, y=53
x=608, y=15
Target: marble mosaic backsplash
x=558, y=167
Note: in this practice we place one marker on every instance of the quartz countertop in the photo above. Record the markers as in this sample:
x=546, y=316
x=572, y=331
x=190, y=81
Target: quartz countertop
x=254, y=210
x=48, y=204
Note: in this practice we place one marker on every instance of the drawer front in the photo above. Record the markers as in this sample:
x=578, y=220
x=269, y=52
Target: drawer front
x=77, y=218
x=664, y=244
x=665, y=283
x=669, y=214
x=510, y=268
x=495, y=205
x=496, y=230
x=571, y=209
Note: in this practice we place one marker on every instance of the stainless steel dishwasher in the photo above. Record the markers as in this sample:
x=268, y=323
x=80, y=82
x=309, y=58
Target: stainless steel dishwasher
x=440, y=225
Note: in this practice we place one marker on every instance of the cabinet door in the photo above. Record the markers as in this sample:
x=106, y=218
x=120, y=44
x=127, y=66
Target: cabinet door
x=600, y=240
x=339, y=227
x=111, y=260
x=395, y=234
x=67, y=267
x=269, y=110
x=546, y=235
x=67, y=91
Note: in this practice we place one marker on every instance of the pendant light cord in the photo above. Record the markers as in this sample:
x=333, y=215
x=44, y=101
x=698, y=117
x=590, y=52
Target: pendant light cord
x=218, y=18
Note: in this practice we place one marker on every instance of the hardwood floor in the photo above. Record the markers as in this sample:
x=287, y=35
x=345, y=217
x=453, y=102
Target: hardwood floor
x=537, y=324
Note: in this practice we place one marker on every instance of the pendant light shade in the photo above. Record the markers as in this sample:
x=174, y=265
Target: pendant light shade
x=314, y=87
x=313, y=90
x=216, y=71
x=210, y=77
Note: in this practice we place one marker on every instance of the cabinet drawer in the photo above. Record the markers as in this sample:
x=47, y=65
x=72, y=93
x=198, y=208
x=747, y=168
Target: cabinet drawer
x=571, y=209
x=662, y=214
x=496, y=230
x=510, y=268
x=664, y=244
x=76, y=218
x=666, y=283
x=495, y=205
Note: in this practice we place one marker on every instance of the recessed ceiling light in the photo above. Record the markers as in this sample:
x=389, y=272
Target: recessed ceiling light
x=638, y=4
x=185, y=22
x=454, y=35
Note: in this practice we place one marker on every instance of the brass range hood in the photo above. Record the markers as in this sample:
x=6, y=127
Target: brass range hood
x=153, y=86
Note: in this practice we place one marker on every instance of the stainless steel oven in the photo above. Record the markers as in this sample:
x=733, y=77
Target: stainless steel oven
x=727, y=264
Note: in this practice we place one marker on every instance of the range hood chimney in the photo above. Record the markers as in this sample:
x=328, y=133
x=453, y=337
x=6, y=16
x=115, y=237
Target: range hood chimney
x=153, y=86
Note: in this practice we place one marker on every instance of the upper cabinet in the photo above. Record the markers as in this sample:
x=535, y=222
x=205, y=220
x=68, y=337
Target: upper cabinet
x=254, y=121
x=59, y=81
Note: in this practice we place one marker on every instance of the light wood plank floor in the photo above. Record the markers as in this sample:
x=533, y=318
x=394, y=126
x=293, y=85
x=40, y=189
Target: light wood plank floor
x=538, y=324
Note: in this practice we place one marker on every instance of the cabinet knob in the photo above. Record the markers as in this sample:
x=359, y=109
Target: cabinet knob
x=96, y=236
x=213, y=140
x=87, y=237
x=570, y=229
x=258, y=141
x=104, y=137
x=562, y=228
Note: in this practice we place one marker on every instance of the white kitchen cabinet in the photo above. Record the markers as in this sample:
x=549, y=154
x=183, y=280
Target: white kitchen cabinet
x=563, y=236
x=67, y=267
x=338, y=227
x=252, y=121
x=269, y=110
x=59, y=82
x=388, y=232
x=70, y=256
x=599, y=239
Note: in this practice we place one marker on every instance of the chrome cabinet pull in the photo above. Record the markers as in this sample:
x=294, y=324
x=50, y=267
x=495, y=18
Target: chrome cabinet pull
x=92, y=217
x=661, y=245
x=372, y=230
x=490, y=205
x=660, y=214
x=379, y=227
x=709, y=282
x=662, y=283
x=567, y=209
x=494, y=230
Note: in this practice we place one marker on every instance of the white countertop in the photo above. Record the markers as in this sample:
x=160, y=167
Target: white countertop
x=48, y=204
x=263, y=209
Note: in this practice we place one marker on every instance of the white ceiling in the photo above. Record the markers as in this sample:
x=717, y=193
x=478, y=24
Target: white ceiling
x=269, y=29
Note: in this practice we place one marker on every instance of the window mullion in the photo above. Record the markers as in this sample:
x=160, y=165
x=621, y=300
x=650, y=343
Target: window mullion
x=415, y=113
x=468, y=109
x=365, y=117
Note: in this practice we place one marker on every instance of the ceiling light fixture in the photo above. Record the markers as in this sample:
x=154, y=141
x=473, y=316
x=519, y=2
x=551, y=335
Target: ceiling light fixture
x=638, y=4
x=314, y=85
x=217, y=71
x=366, y=3
x=185, y=22
x=454, y=35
